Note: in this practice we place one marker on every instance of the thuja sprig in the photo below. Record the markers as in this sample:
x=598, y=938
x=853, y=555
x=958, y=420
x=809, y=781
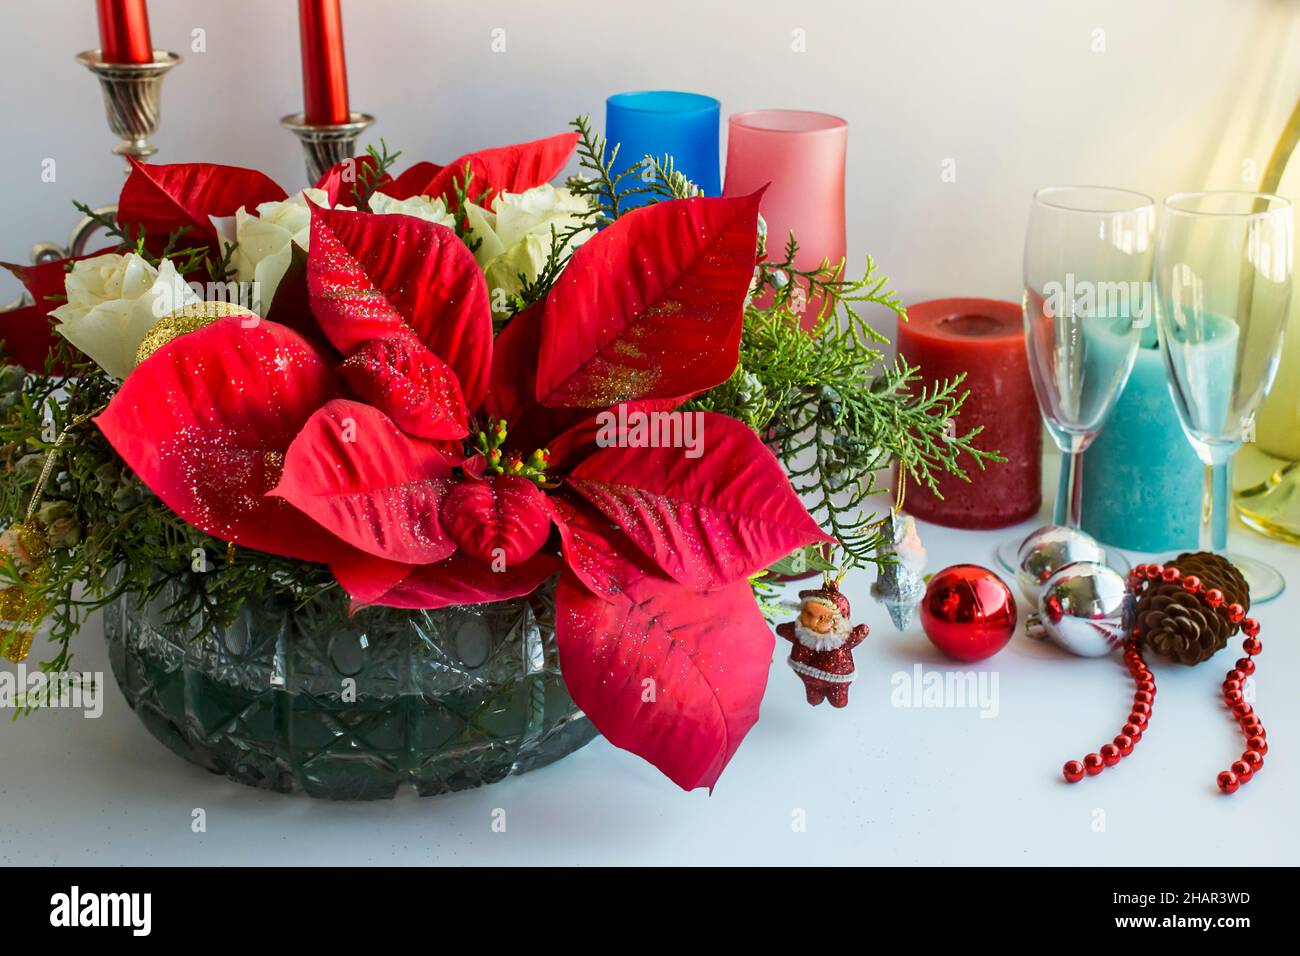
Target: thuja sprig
x=667, y=182
x=107, y=224
x=535, y=290
x=605, y=188
x=836, y=417
x=463, y=189
x=370, y=175
x=187, y=259
x=795, y=288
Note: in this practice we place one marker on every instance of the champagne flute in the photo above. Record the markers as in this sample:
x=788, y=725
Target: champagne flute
x=1223, y=282
x=1087, y=303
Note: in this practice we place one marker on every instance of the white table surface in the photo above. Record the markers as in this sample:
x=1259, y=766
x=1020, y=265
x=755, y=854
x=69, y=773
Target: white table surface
x=875, y=783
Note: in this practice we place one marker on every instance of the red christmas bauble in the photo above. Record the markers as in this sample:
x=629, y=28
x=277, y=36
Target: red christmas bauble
x=968, y=612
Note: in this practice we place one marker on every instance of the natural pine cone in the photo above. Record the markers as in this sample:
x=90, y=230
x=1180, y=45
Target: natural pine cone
x=1179, y=625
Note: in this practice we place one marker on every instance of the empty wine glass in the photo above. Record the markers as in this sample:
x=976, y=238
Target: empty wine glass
x=1087, y=303
x=1223, y=281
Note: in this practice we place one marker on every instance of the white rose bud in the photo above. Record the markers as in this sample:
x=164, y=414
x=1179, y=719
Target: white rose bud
x=266, y=240
x=515, y=236
x=421, y=207
x=113, y=302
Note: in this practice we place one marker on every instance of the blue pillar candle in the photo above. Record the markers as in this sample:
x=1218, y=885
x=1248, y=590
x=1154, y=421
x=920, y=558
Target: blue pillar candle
x=1141, y=480
x=662, y=123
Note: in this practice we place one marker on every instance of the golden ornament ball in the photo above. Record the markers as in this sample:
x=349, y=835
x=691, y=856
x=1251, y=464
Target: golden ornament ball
x=191, y=318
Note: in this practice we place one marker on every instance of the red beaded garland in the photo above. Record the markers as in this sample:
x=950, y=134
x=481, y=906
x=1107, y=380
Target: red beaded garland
x=1145, y=688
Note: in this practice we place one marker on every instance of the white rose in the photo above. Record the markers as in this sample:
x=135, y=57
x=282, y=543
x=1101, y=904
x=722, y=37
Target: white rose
x=266, y=240
x=421, y=207
x=515, y=236
x=113, y=301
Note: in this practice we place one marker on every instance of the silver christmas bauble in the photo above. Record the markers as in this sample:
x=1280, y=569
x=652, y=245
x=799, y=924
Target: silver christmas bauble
x=1048, y=549
x=1082, y=608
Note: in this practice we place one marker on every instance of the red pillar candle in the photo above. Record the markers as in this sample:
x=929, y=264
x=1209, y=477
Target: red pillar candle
x=985, y=339
x=124, y=31
x=324, y=74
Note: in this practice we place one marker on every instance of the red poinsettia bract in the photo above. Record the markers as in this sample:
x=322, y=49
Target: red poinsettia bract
x=355, y=454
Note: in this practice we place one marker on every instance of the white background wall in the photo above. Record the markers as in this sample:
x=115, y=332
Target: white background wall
x=1012, y=90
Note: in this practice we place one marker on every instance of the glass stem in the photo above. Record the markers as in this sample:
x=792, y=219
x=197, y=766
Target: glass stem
x=1069, y=491
x=1214, y=509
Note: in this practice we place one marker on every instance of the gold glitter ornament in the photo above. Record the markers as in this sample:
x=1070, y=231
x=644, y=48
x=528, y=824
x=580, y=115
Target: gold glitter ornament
x=19, y=615
x=25, y=544
x=191, y=318
x=19, y=646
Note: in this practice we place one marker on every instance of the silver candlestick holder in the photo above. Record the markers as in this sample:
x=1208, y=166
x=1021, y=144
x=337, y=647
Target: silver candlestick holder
x=132, y=98
x=132, y=103
x=325, y=146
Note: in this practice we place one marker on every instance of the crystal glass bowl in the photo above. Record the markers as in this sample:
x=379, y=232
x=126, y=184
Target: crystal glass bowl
x=310, y=700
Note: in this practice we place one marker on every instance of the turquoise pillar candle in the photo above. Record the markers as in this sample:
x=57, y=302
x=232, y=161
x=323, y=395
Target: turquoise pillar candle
x=1141, y=480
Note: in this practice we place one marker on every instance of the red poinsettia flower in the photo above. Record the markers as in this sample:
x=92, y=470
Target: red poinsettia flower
x=429, y=465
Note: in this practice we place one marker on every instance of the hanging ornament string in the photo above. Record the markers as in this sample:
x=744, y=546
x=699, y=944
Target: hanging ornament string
x=1144, y=577
x=50, y=457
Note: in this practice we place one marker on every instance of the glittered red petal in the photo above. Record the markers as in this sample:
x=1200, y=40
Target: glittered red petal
x=410, y=384
x=650, y=307
x=708, y=520
x=205, y=422
x=502, y=520
x=355, y=473
x=370, y=277
x=459, y=579
x=672, y=675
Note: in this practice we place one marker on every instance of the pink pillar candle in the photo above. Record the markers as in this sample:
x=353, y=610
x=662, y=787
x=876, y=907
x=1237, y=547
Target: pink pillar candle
x=799, y=157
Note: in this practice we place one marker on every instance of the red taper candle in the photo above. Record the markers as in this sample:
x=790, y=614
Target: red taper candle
x=124, y=31
x=324, y=74
x=985, y=339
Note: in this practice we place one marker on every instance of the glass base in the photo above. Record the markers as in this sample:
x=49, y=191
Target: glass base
x=312, y=699
x=1008, y=554
x=1272, y=506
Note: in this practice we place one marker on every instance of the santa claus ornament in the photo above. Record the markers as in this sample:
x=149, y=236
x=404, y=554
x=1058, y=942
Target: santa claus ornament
x=822, y=639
